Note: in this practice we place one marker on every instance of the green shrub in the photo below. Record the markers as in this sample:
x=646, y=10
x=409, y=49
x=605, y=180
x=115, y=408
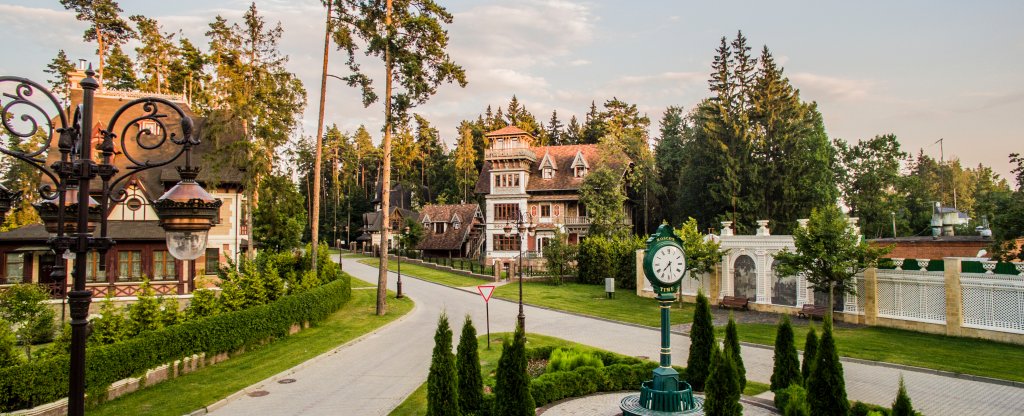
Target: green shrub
x=144, y=314
x=110, y=326
x=442, y=383
x=467, y=360
x=722, y=388
x=568, y=360
x=901, y=406
x=792, y=401
x=810, y=350
x=826, y=387
x=865, y=409
x=594, y=260
x=9, y=355
x=225, y=332
x=786, y=370
x=702, y=340
x=61, y=344
x=512, y=384
x=43, y=326
x=169, y=312
x=204, y=303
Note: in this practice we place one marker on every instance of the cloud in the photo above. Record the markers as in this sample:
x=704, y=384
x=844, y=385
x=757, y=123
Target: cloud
x=820, y=87
x=579, y=62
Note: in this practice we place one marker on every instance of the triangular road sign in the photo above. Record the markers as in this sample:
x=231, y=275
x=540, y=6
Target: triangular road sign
x=485, y=291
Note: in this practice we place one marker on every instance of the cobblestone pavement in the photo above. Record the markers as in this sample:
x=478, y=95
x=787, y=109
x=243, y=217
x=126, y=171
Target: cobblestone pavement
x=373, y=376
x=608, y=405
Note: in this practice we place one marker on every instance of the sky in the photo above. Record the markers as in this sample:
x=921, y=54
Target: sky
x=922, y=70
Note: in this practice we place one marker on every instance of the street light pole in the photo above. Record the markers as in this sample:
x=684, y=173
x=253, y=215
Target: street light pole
x=186, y=212
x=401, y=244
x=524, y=227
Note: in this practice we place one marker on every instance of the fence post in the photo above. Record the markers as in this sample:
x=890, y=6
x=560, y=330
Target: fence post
x=870, y=296
x=954, y=296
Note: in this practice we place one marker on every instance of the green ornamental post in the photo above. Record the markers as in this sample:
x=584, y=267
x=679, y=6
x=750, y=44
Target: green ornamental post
x=664, y=266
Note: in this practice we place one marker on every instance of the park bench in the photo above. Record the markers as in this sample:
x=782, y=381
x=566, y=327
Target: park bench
x=737, y=302
x=810, y=311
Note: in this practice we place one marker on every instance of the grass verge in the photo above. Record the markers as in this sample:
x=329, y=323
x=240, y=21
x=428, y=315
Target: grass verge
x=207, y=385
x=591, y=300
x=426, y=273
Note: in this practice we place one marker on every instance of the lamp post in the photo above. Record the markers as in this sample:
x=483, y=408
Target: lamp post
x=524, y=227
x=401, y=244
x=348, y=237
x=71, y=215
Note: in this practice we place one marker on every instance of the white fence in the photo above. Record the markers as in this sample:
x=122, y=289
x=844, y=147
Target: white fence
x=993, y=301
x=912, y=295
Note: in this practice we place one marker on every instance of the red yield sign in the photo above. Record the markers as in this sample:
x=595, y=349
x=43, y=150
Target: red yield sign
x=485, y=291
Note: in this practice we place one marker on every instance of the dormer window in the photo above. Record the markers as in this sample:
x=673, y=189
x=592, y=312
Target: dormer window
x=439, y=227
x=547, y=173
x=580, y=171
x=579, y=165
x=456, y=225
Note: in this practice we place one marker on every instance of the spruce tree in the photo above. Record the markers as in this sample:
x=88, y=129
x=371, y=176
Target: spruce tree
x=786, y=370
x=471, y=386
x=732, y=344
x=442, y=383
x=902, y=405
x=512, y=384
x=722, y=393
x=826, y=388
x=702, y=340
x=810, y=350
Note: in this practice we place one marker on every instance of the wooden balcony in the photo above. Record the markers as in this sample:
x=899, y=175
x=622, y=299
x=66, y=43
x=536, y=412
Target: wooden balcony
x=510, y=153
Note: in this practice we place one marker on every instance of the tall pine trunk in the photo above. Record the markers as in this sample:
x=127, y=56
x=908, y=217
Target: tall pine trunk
x=385, y=189
x=314, y=223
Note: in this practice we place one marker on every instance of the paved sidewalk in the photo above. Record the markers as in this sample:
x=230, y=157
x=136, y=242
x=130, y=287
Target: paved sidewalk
x=373, y=376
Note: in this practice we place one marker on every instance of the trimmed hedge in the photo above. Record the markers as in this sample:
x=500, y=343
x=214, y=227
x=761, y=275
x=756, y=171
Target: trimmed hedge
x=44, y=381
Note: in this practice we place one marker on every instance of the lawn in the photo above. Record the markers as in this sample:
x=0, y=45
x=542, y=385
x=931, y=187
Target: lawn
x=429, y=274
x=938, y=352
x=210, y=384
x=416, y=403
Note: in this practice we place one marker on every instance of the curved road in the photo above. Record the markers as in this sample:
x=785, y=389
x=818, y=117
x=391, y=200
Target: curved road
x=374, y=375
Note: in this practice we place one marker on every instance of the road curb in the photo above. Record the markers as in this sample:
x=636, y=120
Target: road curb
x=256, y=386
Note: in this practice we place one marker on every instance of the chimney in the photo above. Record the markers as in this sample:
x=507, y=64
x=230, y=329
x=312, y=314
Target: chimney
x=936, y=220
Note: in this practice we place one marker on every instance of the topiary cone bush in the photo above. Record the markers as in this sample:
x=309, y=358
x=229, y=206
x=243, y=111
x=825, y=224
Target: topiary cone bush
x=810, y=350
x=702, y=340
x=512, y=384
x=826, y=388
x=732, y=343
x=442, y=383
x=786, y=369
x=902, y=406
x=722, y=387
x=467, y=359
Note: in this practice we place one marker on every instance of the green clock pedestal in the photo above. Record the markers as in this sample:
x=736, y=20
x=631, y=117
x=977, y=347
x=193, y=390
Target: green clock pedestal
x=664, y=394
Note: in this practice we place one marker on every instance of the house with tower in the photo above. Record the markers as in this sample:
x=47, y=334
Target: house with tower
x=540, y=184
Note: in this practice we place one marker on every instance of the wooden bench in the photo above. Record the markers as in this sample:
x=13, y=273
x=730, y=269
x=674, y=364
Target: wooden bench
x=810, y=311
x=737, y=302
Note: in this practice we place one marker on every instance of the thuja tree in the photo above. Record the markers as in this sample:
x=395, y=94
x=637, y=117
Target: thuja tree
x=702, y=340
x=722, y=388
x=732, y=344
x=902, y=406
x=144, y=315
x=442, y=384
x=786, y=369
x=826, y=388
x=467, y=359
x=810, y=350
x=512, y=385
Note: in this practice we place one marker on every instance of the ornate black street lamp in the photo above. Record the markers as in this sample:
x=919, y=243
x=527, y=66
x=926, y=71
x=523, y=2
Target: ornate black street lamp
x=186, y=211
x=522, y=224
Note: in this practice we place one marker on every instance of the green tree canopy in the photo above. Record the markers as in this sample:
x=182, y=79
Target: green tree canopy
x=278, y=222
x=106, y=26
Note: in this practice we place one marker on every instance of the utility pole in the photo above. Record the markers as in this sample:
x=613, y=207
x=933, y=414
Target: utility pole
x=942, y=162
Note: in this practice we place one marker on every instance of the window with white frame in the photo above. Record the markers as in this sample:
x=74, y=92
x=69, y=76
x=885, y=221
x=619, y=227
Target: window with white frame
x=547, y=173
x=545, y=210
x=15, y=267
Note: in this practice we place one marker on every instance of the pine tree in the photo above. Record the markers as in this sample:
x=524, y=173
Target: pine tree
x=786, y=369
x=573, y=132
x=471, y=387
x=732, y=345
x=702, y=341
x=144, y=314
x=902, y=406
x=442, y=383
x=60, y=68
x=593, y=126
x=120, y=72
x=554, y=130
x=810, y=351
x=826, y=388
x=512, y=384
x=106, y=26
x=155, y=55
x=722, y=392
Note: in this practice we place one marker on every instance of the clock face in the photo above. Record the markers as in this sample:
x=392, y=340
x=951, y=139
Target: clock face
x=668, y=264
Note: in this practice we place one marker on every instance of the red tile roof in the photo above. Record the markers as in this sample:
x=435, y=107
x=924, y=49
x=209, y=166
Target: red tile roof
x=564, y=178
x=507, y=130
x=451, y=238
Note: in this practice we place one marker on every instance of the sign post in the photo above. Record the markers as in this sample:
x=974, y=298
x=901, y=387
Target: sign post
x=486, y=291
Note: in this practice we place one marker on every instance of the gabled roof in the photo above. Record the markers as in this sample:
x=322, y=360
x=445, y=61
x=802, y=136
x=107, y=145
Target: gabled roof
x=547, y=162
x=579, y=160
x=451, y=238
x=372, y=220
x=563, y=157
